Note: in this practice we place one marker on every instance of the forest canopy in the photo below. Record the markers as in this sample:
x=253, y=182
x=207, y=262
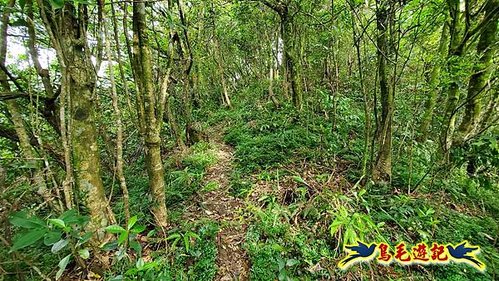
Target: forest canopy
x=248, y=139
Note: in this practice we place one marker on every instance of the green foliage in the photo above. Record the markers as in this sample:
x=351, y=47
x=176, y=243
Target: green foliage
x=182, y=184
x=200, y=157
x=299, y=173
x=56, y=233
x=126, y=238
x=279, y=250
x=190, y=256
x=186, y=237
x=354, y=226
x=239, y=185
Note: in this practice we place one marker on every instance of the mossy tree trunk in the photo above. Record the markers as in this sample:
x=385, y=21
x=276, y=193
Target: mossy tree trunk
x=482, y=70
x=86, y=152
x=292, y=77
x=454, y=56
x=68, y=33
x=292, y=81
x=383, y=168
x=150, y=107
x=13, y=109
x=433, y=88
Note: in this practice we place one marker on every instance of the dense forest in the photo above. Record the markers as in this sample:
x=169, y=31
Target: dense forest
x=248, y=139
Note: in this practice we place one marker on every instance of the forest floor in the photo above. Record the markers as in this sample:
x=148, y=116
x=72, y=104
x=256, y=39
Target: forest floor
x=218, y=205
x=255, y=201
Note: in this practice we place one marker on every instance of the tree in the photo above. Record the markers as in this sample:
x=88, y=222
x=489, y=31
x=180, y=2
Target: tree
x=383, y=167
x=67, y=28
x=292, y=81
x=486, y=49
x=465, y=25
x=150, y=108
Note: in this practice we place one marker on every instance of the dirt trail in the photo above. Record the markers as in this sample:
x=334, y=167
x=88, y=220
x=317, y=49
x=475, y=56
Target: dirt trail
x=220, y=206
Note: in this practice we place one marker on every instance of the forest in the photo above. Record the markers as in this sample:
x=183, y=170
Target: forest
x=249, y=140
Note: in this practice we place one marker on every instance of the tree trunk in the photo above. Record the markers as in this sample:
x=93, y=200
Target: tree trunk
x=454, y=55
x=119, y=125
x=383, y=168
x=433, y=86
x=69, y=41
x=291, y=80
x=367, y=128
x=478, y=82
x=219, y=60
x=15, y=113
x=150, y=120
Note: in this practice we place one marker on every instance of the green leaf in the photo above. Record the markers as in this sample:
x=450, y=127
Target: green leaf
x=21, y=219
x=59, y=274
x=362, y=192
x=84, y=238
x=299, y=179
x=72, y=217
x=281, y=264
x=59, y=245
x=192, y=234
x=51, y=237
x=186, y=243
x=28, y=239
x=132, y=222
x=151, y=233
x=173, y=236
x=57, y=222
x=57, y=4
x=86, y=2
x=115, y=229
x=22, y=3
x=62, y=266
x=139, y=264
x=282, y=275
x=292, y=262
x=84, y=253
x=110, y=246
x=136, y=246
x=123, y=237
x=138, y=229
x=117, y=278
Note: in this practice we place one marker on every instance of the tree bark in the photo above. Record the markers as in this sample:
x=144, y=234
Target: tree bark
x=453, y=57
x=383, y=167
x=433, y=86
x=482, y=70
x=150, y=119
x=67, y=30
x=292, y=79
x=119, y=124
x=15, y=113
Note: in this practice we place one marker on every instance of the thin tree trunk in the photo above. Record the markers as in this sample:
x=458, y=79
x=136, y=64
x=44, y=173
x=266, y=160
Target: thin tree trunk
x=221, y=72
x=119, y=126
x=13, y=108
x=383, y=168
x=119, y=60
x=292, y=81
x=433, y=86
x=455, y=53
x=367, y=129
